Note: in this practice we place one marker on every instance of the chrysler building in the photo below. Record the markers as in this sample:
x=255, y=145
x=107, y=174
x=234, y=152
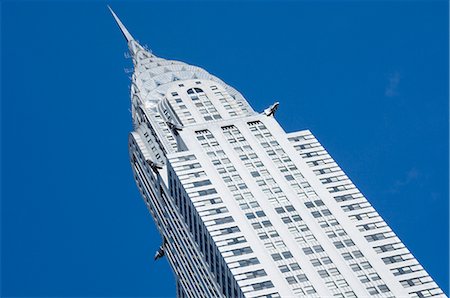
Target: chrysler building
x=245, y=209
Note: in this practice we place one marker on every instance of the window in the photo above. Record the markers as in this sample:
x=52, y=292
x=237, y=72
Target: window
x=323, y=273
x=372, y=290
x=324, y=224
x=241, y=251
x=383, y=288
x=334, y=222
x=260, y=213
x=294, y=266
x=290, y=208
x=267, y=223
x=375, y=237
x=366, y=265
x=263, y=235
x=402, y=270
x=287, y=254
x=296, y=217
x=358, y=254
x=256, y=225
x=262, y=285
x=227, y=219
x=248, y=262
x=250, y=215
x=342, y=283
x=316, y=214
x=334, y=271
x=302, y=278
x=316, y=262
x=326, y=212
x=349, y=242
x=384, y=248
x=279, y=210
x=307, y=250
x=291, y=280
x=347, y=256
x=341, y=232
x=229, y=230
x=318, y=248
x=286, y=219
x=363, y=278
x=309, y=204
x=276, y=257
x=206, y=192
x=255, y=274
x=201, y=183
x=273, y=234
x=331, y=285
x=319, y=202
x=310, y=289
x=338, y=244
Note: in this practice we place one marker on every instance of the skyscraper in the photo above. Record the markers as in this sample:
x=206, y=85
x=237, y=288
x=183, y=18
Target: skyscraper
x=247, y=210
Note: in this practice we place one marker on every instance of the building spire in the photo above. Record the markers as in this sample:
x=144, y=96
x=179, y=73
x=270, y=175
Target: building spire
x=124, y=30
x=133, y=45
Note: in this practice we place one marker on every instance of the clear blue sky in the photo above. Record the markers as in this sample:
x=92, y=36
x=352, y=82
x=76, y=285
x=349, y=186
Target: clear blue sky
x=369, y=79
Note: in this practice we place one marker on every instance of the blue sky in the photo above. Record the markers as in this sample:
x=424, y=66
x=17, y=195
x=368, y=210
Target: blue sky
x=368, y=78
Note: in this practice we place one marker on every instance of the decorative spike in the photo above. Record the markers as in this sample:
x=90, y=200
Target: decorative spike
x=124, y=30
x=133, y=45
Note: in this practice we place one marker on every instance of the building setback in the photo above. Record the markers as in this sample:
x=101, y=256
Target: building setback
x=245, y=209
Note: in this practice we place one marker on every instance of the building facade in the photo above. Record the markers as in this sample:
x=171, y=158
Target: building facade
x=245, y=209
